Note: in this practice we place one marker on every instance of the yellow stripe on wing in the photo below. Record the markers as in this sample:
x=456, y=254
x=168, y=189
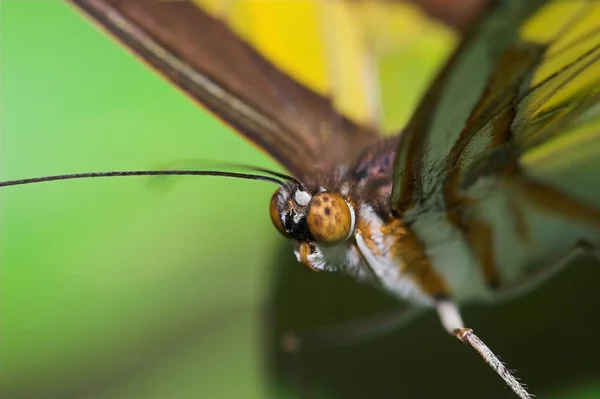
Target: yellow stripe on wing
x=342, y=48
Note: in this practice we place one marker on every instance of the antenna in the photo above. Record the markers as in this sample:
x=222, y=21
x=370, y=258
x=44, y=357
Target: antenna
x=129, y=173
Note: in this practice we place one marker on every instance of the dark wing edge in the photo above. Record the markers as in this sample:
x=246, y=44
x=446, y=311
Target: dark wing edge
x=204, y=58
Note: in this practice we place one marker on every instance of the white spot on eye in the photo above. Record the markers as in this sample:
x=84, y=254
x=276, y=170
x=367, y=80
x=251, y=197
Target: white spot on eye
x=302, y=197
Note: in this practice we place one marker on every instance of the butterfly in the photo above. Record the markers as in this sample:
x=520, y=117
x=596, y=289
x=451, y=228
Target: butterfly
x=416, y=215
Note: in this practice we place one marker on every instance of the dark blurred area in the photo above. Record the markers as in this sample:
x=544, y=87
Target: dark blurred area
x=549, y=337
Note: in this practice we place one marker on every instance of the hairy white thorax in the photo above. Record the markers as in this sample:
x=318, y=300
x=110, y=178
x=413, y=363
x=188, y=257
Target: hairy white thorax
x=369, y=256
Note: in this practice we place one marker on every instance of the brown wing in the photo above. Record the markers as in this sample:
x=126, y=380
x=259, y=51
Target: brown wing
x=209, y=62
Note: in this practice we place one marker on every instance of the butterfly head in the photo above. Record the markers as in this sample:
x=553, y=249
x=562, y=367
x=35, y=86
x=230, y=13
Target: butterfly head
x=313, y=219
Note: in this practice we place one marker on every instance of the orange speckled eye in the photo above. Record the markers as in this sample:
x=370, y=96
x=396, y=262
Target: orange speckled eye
x=275, y=218
x=330, y=219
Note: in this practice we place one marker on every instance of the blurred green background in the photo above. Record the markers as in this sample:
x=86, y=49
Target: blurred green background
x=117, y=288
x=122, y=288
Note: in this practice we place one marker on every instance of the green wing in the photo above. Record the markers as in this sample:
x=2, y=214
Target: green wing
x=507, y=141
x=548, y=122
x=508, y=74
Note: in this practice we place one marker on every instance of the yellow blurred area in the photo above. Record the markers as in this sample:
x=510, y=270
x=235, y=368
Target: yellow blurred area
x=583, y=144
x=344, y=49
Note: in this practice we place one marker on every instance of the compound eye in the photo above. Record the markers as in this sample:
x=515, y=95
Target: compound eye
x=275, y=217
x=329, y=218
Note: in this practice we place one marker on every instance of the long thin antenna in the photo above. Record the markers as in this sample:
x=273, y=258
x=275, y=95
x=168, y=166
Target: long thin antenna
x=127, y=173
x=208, y=164
x=270, y=172
x=467, y=336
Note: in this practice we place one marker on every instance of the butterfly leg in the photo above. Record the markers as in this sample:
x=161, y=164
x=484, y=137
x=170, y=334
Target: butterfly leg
x=538, y=275
x=453, y=323
x=351, y=332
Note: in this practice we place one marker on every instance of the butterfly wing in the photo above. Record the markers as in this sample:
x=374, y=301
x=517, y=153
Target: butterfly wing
x=557, y=120
x=543, y=155
x=508, y=134
x=210, y=63
x=542, y=97
x=461, y=97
